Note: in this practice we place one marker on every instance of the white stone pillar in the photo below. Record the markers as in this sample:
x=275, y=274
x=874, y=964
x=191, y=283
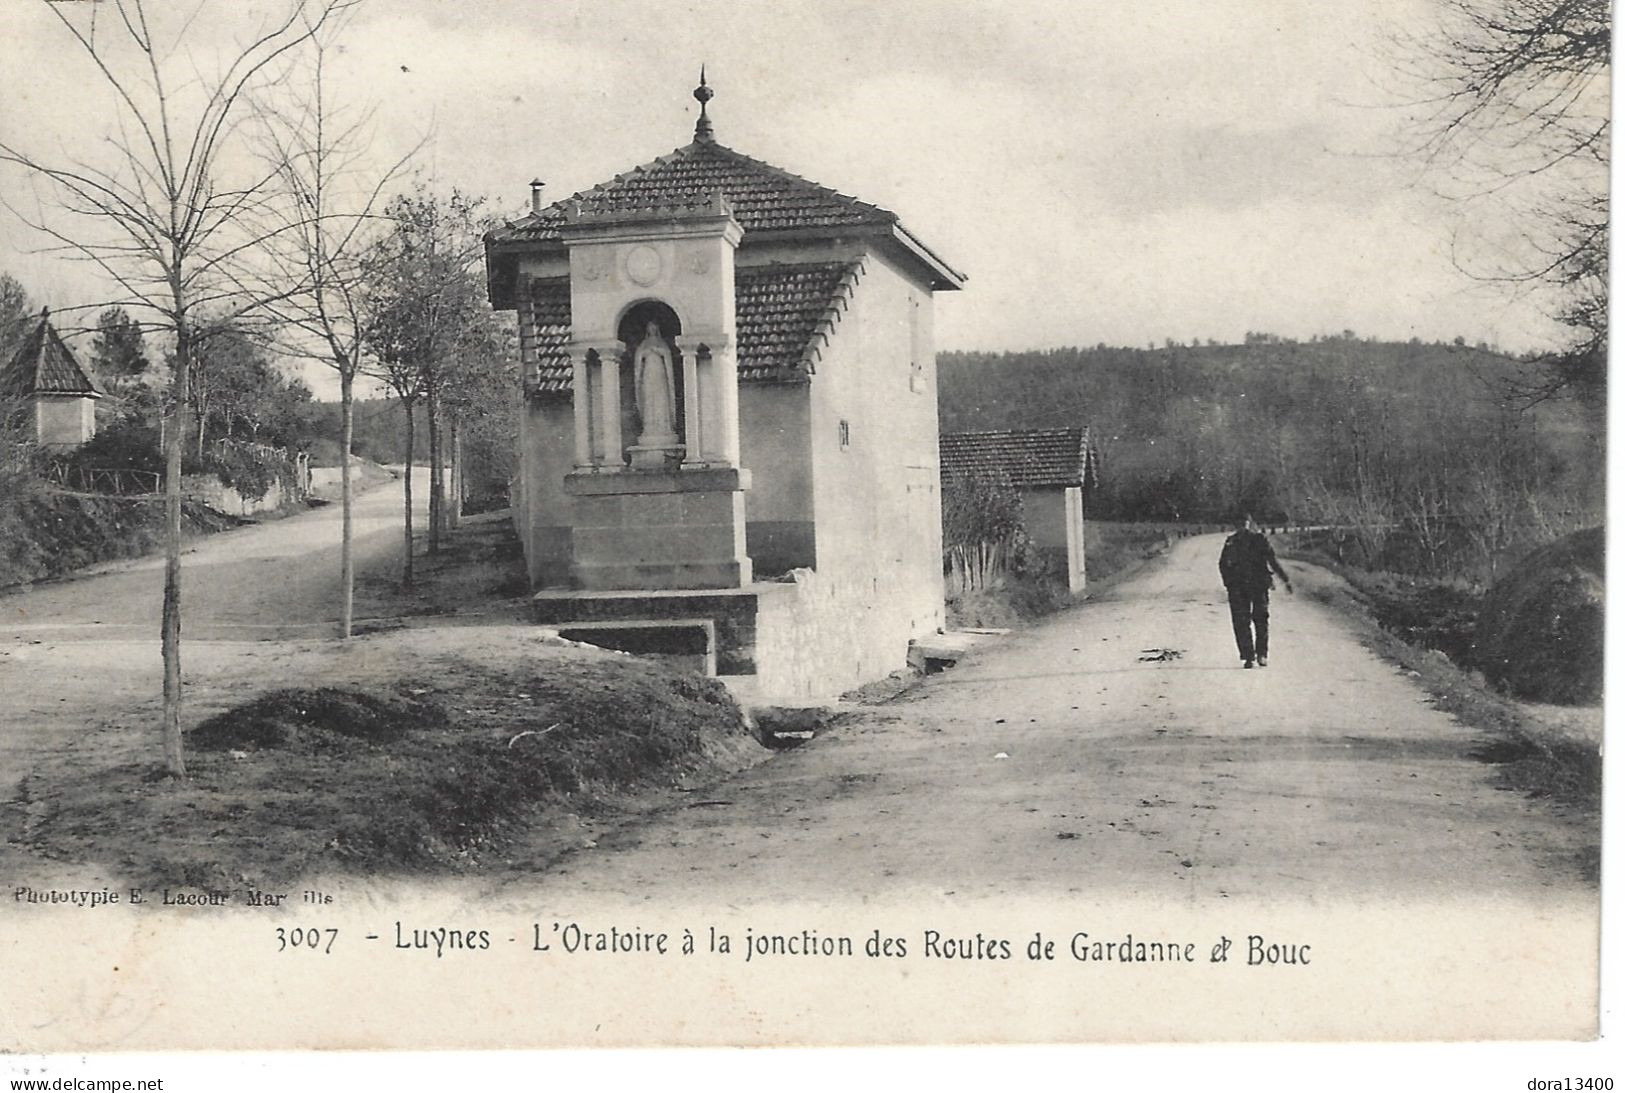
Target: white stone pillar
x=715, y=402
x=694, y=423
x=725, y=380
x=581, y=400
x=609, y=403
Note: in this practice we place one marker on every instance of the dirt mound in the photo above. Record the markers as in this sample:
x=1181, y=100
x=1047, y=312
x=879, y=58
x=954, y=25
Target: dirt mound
x=314, y=718
x=576, y=740
x=437, y=761
x=1540, y=631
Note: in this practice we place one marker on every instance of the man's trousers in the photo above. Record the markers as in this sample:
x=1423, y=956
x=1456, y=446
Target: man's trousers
x=1250, y=616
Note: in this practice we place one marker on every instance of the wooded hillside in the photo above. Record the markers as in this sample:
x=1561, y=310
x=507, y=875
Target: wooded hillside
x=1375, y=436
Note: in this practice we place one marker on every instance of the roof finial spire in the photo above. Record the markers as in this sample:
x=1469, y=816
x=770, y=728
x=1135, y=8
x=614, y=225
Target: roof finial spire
x=703, y=93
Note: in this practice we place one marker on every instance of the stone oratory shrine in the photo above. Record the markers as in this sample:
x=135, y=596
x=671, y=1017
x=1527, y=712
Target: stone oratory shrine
x=728, y=446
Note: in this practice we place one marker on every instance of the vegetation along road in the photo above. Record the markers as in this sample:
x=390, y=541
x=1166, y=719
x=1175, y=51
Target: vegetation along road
x=279, y=579
x=1058, y=762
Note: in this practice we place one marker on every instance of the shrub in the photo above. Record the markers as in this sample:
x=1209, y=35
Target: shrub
x=250, y=473
x=126, y=445
x=983, y=530
x=1540, y=633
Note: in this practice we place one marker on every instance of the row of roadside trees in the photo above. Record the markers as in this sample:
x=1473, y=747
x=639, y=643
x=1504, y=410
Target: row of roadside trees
x=242, y=203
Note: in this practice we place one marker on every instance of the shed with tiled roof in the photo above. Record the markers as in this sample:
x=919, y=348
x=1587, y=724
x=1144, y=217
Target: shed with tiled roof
x=1027, y=458
x=1055, y=471
x=59, y=395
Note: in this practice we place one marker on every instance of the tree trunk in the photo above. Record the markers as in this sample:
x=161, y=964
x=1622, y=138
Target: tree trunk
x=406, y=480
x=436, y=496
x=454, y=474
x=170, y=640
x=346, y=557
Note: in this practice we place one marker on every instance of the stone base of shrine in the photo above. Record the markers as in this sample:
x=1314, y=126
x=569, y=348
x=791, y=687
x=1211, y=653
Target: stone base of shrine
x=793, y=641
x=718, y=626
x=658, y=530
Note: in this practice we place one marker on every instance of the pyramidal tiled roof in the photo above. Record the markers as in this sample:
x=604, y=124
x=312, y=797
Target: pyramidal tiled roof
x=763, y=197
x=44, y=365
x=1027, y=457
x=783, y=315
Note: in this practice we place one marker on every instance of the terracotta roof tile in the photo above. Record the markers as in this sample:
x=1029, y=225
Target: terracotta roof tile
x=764, y=197
x=550, y=300
x=1029, y=457
x=44, y=365
x=783, y=316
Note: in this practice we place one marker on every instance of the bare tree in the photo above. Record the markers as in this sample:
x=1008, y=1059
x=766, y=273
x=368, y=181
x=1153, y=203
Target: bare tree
x=323, y=235
x=396, y=354
x=433, y=335
x=158, y=214
x=226, y=354
x=1511, y=112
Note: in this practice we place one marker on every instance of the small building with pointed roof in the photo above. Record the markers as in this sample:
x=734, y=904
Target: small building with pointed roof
x=45, y=381
x=1054, y=471
x=730, y=415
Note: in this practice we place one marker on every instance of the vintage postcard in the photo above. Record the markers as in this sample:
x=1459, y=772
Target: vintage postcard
x=635, y=524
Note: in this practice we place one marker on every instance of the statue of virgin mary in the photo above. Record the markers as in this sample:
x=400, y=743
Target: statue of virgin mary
x=656, y=390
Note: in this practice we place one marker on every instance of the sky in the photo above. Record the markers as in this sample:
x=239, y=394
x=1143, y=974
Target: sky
x=1118, y=171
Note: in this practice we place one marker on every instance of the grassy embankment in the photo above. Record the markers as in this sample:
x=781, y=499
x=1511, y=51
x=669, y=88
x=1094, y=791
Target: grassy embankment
x=48, y=535
x=1429, y=629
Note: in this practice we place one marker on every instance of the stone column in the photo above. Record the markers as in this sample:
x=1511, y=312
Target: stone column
x=694, y=419
x=714, y=404
x=581, y=401
x=608, y=403
x=725, y=380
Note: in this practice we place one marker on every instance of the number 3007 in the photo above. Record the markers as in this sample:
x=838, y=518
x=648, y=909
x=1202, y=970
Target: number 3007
x=313, y=938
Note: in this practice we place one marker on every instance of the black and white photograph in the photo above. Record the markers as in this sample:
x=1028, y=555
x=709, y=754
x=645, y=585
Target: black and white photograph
x=647, y=524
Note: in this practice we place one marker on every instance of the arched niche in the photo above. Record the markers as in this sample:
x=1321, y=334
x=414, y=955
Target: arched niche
x=630, y=329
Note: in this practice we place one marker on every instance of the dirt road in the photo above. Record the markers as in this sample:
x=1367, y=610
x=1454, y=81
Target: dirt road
x=79, y=654
x=1052, y=762
x=1058, y=762
x=278, y=579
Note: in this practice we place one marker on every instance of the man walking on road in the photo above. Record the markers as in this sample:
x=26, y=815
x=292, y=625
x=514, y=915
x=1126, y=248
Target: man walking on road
x=1245, y=565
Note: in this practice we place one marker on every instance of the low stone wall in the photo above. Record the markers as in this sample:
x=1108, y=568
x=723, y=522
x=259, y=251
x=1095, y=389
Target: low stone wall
x=813, y=643
x=795, y=641
x=209, y=490
x=730, y=615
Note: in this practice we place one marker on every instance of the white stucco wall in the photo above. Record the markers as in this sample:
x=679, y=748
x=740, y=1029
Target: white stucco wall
x=64, y=419
x=774, y=446
x=1054, y=519
x=541, y=510
x=876, y=499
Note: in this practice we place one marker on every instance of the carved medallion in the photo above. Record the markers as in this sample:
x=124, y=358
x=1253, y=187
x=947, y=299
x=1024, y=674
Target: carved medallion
x=699, y=263
x=643, y=265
